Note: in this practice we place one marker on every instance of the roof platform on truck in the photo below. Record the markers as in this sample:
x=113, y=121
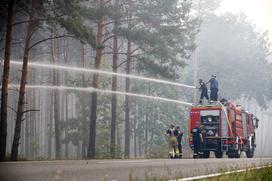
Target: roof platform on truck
x=209, y=104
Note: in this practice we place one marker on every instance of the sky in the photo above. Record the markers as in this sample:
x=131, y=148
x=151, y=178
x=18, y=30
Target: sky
x=259, y=11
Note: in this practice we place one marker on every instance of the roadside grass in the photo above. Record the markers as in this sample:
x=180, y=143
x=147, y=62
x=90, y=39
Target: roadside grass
x=261, y=174
x=251, y=174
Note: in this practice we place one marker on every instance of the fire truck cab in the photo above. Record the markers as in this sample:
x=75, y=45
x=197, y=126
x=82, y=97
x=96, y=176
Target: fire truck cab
x=227, y=127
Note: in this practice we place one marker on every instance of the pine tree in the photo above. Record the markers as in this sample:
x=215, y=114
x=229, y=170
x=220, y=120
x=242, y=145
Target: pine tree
x=73, y=23
x=160, y=36
x=5, y=79
x=114, y=87
x=20, y=107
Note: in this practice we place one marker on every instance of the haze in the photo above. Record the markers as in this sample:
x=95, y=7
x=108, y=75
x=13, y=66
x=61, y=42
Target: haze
x=259, y=11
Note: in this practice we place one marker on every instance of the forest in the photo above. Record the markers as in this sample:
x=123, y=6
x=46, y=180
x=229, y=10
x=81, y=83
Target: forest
x=56, y=104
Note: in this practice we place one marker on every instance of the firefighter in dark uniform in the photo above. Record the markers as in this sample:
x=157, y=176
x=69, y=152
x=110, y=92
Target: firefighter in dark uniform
x=178, y=133
x=214, y=88
x=204, y=91
x=197, y=142
x=203, y=136
x=172, y=139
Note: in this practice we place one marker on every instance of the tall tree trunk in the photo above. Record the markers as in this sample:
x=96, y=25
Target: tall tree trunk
x=65, y=117
x=50, y=126
x=32, y=119
x=155, y=118
x=135, y=132
x=127, y=98
x=127, y=101
x=56, y=104
x=78, y=152
x=84, y=113
x=114, y=88
x=39, y=118
x=27, y=133
x=98, y=56
x=20, y=108
x=139, y=143
x=65, y=97
x=146, y=123
x=5, y=79
x=146, y=132
x=118, y=137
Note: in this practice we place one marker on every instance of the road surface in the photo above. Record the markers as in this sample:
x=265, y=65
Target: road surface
x=138, y=169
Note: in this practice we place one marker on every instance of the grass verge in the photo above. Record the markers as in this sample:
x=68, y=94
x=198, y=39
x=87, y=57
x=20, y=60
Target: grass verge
x=261, y=174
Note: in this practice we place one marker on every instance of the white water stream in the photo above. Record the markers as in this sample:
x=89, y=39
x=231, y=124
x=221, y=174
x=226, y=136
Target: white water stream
x=91, y=89
x=61, y=67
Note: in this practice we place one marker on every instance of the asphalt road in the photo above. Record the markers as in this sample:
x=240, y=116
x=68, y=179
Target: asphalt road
x=138, y=169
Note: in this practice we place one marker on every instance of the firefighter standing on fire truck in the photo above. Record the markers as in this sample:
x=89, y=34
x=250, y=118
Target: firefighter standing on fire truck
x=204, y=91
x=214, y=88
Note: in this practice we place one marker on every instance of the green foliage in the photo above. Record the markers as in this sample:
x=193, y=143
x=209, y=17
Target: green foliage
x=35, y=146
x=73, y=130
x=68, y=14
x=164, y=33
x=160, y=116
x=76, y=129
x=104, y=124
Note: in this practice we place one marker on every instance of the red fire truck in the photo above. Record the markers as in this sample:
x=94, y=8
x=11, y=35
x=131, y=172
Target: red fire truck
x=226, y=127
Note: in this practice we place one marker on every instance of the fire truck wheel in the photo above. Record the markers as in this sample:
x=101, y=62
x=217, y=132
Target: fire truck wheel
x=206, y=154
x=230, y=155
x=218, y=154
x=238, y=153
x=250, y=153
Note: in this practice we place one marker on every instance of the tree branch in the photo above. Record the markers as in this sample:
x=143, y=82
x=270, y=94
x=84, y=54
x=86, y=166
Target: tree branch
x=106, y=2
x=30, y=110
x=26, y=21
x=50, y=38
x=122, y=63
x=15, y=43
x=11, y=108
x=125, y=61
x=133, y=51
x=121, y=20
x=119, y=53
x=108, y=38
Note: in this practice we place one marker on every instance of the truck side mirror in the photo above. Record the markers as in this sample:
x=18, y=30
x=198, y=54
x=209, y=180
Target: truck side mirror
x=256, y=124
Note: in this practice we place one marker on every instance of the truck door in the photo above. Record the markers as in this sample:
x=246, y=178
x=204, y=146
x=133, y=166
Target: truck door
x=224, y=124
x=194, y=121
x=244, y=120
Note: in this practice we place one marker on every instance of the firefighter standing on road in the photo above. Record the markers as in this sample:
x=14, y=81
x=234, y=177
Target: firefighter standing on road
x=197, y=142
x=178, y=133
x=214, y=88
x=172, y=138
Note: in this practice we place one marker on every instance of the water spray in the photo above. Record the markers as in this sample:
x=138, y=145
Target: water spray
x=91, y=89
x=52, y=66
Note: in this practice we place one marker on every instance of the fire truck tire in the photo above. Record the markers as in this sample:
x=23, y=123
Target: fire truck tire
x=250, y=153
x=218, y=154
x=206, y=154
x=238, y=153
x=230, y=155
